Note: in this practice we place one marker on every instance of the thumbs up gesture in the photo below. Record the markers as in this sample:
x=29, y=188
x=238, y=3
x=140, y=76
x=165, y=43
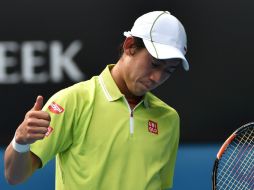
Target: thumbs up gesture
x=35, y=124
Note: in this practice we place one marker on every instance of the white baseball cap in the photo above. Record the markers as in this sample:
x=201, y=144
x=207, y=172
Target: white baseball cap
x=163, y=35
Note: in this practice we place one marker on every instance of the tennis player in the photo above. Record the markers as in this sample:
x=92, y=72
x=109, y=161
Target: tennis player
x=109, y=132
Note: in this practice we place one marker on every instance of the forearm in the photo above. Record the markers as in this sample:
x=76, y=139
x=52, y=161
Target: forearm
x=18, y=166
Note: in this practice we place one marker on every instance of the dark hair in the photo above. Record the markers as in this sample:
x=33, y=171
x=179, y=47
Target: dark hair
x=138, y=44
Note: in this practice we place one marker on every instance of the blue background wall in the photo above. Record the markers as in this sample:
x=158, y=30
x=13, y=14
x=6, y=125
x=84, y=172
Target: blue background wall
x=193, y=170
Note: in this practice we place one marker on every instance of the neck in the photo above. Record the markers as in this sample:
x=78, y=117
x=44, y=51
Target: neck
x=133, y=102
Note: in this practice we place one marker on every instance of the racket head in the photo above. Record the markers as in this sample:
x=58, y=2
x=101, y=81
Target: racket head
x=234, y=165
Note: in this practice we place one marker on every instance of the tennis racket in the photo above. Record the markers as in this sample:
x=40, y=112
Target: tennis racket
x=234, y=165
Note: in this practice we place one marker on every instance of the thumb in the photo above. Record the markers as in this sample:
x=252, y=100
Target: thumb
x=38, y=104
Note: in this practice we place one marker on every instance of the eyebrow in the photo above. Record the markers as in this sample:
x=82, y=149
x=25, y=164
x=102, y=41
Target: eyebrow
x=169, y=63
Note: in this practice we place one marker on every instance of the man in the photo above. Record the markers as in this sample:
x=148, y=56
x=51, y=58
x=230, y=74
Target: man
x=109, y=132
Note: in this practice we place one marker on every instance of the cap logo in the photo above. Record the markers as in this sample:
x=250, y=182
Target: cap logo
x=153, y=127
x=55, y=108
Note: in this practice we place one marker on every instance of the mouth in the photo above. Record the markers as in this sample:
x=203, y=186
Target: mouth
x=147, y=86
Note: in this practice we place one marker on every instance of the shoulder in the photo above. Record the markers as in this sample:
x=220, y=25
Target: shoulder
x=77, y=95
x=83, y=88
x=167, y=117
x=162, y=110
x=157, y=103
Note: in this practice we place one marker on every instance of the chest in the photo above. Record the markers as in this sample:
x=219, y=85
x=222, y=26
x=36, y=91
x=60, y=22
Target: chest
x=118, y=131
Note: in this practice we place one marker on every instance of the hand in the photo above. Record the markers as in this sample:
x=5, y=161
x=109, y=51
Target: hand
x=35, y=124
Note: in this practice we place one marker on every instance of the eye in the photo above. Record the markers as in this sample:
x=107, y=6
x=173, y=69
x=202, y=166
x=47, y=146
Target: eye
x=170, y=70
x=155, y=63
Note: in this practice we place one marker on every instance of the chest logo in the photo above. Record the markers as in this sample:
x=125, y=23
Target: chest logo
x=153, y=127
x=55, y=108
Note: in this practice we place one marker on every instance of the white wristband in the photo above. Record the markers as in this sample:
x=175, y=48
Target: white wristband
x=21, y=148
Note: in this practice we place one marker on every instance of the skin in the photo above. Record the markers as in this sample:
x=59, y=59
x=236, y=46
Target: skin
x=135, y=73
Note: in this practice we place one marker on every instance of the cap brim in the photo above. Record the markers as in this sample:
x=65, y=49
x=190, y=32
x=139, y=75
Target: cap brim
x=161, y=51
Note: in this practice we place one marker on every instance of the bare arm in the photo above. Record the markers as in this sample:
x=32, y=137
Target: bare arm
x=20, y=166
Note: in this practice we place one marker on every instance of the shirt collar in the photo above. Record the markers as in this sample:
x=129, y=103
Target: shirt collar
x=108, y=85
x=146, y=100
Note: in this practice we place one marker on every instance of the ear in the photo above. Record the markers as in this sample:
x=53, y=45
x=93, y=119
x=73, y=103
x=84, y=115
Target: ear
x=128, y=46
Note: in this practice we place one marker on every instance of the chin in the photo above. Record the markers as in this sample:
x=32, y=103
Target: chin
x=139, y=93
x=138, y=90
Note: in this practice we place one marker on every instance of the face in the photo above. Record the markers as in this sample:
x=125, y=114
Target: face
x=144, y=73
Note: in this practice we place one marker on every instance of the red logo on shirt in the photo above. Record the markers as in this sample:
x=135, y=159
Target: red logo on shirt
x=153, y=127
x=55, y=108
x=50, y=129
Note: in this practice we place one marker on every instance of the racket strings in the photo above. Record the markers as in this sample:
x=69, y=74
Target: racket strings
x=233, y=182
x=245, y=175
x=229, y=181
x=247, y=169
x=236, y=170
x=244, y=162
x=231, y=150
x=242, y=173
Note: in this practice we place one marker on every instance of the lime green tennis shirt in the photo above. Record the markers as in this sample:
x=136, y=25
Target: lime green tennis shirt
x=101, y=144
